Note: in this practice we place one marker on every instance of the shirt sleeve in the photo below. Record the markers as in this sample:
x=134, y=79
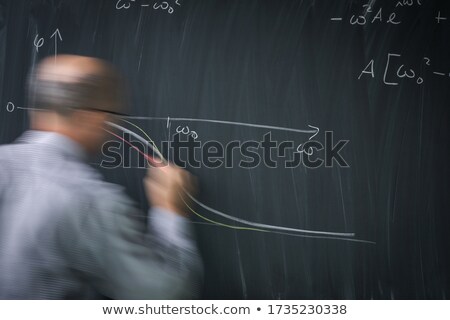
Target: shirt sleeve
x=126, y=258
x=171, y=228
x=3, y=177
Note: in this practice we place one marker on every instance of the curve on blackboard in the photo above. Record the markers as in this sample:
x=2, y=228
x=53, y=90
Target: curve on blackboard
x=272, y=228
x=254, y=225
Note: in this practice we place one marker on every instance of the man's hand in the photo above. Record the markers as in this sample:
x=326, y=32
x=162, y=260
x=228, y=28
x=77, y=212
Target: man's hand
x=166, y=187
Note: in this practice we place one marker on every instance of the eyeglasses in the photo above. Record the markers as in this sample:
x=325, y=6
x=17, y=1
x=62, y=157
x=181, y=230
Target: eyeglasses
x=119, y=114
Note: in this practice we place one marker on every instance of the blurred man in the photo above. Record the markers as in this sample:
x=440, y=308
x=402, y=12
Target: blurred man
x=65, y=233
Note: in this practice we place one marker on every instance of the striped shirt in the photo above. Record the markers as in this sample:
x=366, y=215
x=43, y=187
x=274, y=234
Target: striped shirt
x=67, y=234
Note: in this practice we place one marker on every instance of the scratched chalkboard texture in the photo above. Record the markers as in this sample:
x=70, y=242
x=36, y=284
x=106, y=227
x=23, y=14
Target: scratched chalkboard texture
x=373, y=73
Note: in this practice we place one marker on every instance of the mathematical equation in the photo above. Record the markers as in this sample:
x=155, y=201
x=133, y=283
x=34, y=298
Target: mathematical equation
x=371, y=16
x=167, y=6
x=394, y=70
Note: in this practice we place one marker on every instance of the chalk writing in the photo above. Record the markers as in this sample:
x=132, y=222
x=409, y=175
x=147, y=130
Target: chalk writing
x=408, y=3
x=10, y=106
x=168, y=6
x=186, y=131
x=439, y=18
x=39, y=42
x=370, y=15
x=395, y=70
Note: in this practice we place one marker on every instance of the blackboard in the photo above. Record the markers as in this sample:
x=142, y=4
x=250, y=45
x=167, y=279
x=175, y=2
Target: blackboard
x=373, y=74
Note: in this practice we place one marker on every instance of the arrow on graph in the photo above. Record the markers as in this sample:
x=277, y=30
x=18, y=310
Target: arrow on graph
x=56, y=35
x=315, y=131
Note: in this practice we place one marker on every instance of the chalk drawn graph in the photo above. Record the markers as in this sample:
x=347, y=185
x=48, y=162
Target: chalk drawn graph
x=243, y=224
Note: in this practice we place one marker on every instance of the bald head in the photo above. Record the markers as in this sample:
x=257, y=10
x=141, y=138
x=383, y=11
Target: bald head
x=70, y=82
x=67, y=68
x=74, y=96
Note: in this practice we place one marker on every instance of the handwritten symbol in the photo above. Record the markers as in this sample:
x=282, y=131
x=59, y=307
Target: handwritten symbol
x=186, y=131
x=439, y=18
x=164, y=6
x=38, y=42
x=126, y=5
x=361, y=20
x=410, y=75
x=428, y=61
x=302, y=150
x=368, y=6
x=392, y=18
x=408, y=3
x=10, y=107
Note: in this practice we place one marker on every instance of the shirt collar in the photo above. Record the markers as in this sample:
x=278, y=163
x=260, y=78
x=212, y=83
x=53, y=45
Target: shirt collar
x=61, y=142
